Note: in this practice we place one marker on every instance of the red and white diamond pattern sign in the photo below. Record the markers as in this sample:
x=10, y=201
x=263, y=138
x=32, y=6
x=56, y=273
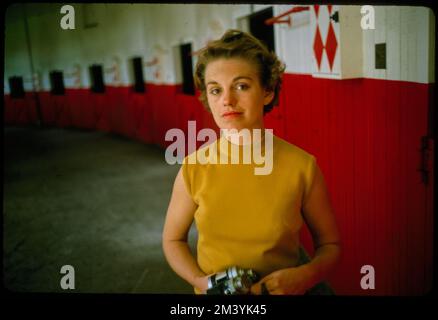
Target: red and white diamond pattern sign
x=325, y=33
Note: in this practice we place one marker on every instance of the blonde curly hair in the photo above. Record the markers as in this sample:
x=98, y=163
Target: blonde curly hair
x=239, y=44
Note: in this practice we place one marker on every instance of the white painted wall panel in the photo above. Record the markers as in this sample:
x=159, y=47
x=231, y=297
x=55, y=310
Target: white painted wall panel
x=292, y=42
x=340, y=39
x=432, y=50
x=393, y=61
x=350, y=44
x=368, y=52
x=379, y=37
x=406, y=32
x=408, y=59
x=422, y=17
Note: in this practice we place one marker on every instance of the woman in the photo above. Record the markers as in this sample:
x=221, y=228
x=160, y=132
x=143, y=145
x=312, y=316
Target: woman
x=243, y=219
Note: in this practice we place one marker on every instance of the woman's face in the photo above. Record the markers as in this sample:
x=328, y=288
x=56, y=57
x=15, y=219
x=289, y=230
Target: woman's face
x=235, y=94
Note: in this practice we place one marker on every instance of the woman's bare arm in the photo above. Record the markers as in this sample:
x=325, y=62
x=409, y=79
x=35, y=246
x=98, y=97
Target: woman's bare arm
x=179, y=218
x=320, y=219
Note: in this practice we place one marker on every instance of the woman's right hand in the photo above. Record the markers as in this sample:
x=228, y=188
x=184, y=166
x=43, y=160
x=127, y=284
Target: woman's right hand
x=179, y=218
x=202, y=283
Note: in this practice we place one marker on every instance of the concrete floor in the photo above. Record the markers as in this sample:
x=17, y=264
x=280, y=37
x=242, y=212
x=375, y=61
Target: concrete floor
x=92, y=200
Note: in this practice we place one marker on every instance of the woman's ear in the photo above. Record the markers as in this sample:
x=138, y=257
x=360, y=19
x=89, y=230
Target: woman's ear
x=269, y=96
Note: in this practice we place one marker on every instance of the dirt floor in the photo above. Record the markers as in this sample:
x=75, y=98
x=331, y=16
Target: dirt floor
x=92, y=200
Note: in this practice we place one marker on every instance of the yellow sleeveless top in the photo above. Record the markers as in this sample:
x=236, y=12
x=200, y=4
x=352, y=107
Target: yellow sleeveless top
x=247, y=220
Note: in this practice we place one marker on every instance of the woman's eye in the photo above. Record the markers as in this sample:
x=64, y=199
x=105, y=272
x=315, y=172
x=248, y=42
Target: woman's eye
x=214, y=91
x=242, y=86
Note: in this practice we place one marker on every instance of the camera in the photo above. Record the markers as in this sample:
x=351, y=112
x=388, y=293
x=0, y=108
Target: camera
x=232, y=281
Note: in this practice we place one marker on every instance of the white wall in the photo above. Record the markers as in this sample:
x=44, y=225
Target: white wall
x=155, y=31
x=293, y=43
x=172, y=25
x=408, y=33
x=410, y=53
x=123, y=31
x=16, y=53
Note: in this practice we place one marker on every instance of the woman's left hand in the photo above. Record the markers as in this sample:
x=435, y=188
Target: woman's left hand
x=293, y=281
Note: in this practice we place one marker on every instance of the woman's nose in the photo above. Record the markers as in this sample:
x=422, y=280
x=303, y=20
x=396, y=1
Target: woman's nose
x=228, y=98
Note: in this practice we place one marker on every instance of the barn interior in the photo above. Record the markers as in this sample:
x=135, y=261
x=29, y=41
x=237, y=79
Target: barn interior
x=90, y=91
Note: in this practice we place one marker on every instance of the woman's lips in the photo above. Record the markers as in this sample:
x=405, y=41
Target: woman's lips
x=231, y=114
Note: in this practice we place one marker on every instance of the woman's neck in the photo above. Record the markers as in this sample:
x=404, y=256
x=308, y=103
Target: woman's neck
x=244, y=136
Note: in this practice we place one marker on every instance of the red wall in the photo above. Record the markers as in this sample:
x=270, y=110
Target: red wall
x=365, y=134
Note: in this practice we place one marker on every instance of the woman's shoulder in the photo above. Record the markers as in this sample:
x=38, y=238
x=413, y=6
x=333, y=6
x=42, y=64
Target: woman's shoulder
x=291, y=149
x=295, y=158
